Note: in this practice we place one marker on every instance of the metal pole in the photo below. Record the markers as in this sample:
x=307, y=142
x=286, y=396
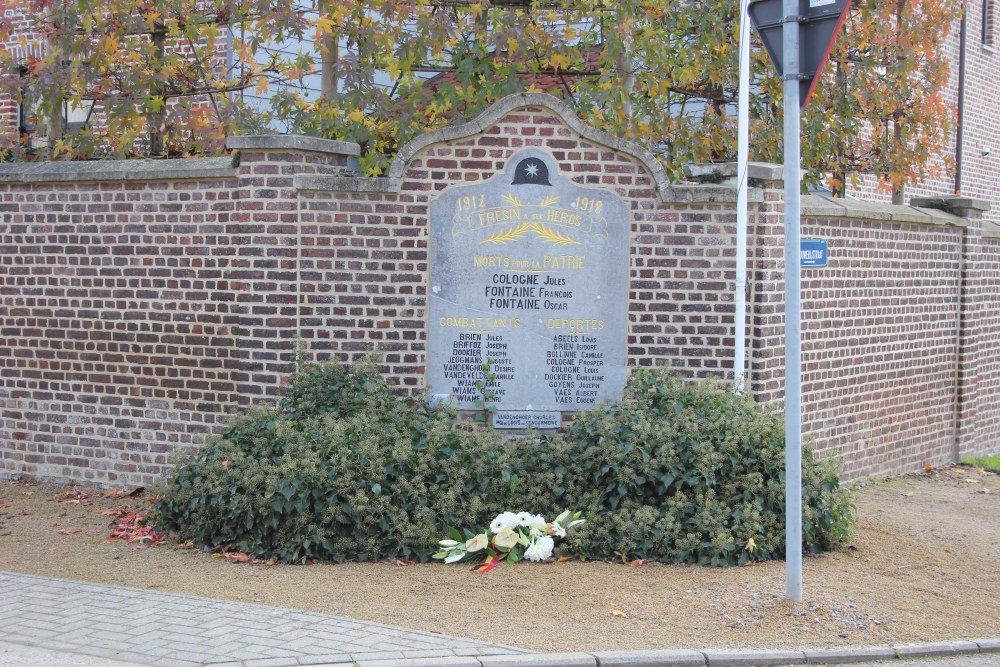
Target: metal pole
x=793, y=332
x=742, y=158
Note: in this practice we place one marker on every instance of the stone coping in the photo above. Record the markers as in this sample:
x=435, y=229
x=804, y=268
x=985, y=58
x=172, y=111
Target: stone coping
x=991, y=230
x=293, y=142
x=954, y=202
x=761, y=171
x=118, y=170
x=327, y=183
x=818, y=206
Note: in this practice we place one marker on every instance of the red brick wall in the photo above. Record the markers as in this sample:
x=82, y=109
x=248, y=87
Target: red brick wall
x=134, y=314
x=118, y=325
x=879, y=357
x=988, y=425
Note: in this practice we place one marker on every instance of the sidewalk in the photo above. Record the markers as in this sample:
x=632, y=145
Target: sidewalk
x=168, y=630
x=59, y=623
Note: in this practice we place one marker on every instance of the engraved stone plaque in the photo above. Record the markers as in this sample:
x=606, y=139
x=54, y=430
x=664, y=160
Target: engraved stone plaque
x=525, y=419
x=528, y=275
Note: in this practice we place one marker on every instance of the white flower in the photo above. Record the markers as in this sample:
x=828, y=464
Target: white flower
x=537, y=521
x=546, y=544
x=477, y=543
x=556, y=529
x=456, y=555
x=540, y=549
x=535, y=532
x=504, y=520
x=562, y=517
x=448, y=543
x=534, y=551
x=574, y=524
x=523, y=518
x=506, y=538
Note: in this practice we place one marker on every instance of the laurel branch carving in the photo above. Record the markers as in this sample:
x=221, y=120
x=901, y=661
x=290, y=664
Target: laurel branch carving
x=545, y=233
x=512, y=234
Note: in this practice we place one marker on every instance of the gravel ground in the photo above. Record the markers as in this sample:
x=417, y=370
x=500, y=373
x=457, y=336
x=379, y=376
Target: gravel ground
x=922, y=567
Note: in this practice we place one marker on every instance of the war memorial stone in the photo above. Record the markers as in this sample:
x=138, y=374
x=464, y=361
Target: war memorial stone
x=528, y=275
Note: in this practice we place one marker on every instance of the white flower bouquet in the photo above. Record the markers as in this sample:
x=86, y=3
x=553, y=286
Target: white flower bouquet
x=515, y=537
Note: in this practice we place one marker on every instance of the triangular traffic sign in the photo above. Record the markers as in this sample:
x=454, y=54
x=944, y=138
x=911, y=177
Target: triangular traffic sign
x=819, y=23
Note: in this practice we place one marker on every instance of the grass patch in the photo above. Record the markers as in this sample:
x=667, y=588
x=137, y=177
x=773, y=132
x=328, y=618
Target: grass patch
x=991, y=462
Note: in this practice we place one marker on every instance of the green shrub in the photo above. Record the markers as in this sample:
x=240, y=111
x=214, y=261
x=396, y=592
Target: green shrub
x=343, y=469
x=686, y=472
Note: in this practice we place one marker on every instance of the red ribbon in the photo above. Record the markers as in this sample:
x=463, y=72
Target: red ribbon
x=488, y=565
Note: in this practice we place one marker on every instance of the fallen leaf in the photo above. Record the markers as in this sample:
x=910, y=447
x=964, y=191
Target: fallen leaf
x=73, y=497
x=928, y=468
x=751, y=545
x=626, y=561
x=619, y=613
x=157, y=586
x=273, y=560
x=184, y=546
x=70, y=531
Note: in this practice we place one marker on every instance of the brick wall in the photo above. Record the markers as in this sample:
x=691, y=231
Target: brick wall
x=118, y=324
x=141, y=302
x=988, y=425
x=879, y=332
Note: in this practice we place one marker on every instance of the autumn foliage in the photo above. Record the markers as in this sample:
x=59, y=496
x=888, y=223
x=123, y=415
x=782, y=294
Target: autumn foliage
x=170, y=77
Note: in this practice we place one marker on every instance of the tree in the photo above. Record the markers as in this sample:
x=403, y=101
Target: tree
x=880, y=108
x=660, y=73
x=151, y=75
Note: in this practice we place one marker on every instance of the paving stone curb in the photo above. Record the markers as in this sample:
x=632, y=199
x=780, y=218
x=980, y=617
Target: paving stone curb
x=838, y=656
x=752, y=658
x=664, y=658
x=935, y=649
x=988, y=645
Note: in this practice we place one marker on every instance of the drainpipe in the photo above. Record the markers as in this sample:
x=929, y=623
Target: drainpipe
x=961, y=100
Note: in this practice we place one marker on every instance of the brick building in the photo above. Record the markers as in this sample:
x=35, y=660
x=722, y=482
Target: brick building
x=977, y=77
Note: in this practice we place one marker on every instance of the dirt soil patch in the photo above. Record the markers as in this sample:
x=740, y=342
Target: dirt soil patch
x=923, y=566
